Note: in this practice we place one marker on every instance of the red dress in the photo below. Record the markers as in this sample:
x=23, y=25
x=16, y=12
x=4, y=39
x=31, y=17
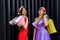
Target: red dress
x=22, y=35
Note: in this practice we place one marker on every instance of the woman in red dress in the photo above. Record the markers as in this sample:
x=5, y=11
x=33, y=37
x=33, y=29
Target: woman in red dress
x=23, y=33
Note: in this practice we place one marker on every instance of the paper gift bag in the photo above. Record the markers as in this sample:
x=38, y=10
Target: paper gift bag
x=15, y=20
x=11, y=22
x=51, y=27
x=21, y=22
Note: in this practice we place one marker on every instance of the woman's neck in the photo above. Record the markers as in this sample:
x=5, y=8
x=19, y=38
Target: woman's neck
x=23, y=15
x=40, y=16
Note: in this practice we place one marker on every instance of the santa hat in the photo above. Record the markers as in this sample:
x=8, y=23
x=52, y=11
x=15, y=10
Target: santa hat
x=19, y=9
x=44, y=9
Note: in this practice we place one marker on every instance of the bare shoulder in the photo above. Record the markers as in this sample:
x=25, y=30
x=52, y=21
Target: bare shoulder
x=27, y=18
x=36, y=18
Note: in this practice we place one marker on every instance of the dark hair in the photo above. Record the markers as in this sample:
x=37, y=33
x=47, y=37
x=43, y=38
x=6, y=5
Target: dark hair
x=21, y=11
x=40, y=8
x=44, y=9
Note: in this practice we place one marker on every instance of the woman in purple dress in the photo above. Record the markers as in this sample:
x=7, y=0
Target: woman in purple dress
x=40, y=33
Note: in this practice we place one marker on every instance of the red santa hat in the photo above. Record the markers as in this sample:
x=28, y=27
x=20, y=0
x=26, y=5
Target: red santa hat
x=44, y=9
x=19, y=9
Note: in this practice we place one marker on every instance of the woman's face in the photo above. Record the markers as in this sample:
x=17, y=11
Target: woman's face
x=23, y=11
x=41, y=12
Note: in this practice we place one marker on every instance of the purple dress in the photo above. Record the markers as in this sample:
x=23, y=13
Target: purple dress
x=41, y=32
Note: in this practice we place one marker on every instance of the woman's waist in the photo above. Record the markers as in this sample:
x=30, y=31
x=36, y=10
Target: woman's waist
x=41, y=27
x=22, y=28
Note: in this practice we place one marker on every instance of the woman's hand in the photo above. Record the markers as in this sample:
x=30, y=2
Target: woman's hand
x=45, y=16
x=46, y=20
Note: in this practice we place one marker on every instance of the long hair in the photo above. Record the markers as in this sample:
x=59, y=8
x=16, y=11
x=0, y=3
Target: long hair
x=44, y=10
x=20, y=11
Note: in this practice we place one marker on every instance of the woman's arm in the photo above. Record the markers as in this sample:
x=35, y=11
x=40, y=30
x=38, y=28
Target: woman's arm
x=35, y=29
x=26, y=23
x=45, y=20
x=35, y=23
x=34, y=33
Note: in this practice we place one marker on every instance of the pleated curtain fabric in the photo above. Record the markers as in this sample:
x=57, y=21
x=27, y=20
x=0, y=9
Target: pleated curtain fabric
x=8, y=10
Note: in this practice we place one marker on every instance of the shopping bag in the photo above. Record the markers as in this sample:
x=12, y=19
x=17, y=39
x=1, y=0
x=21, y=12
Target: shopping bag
x=21, y=22
x=51, y=27
x=11, y=22
x=15, y=20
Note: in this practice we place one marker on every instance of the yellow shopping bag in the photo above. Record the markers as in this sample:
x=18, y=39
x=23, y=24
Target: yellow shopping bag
x=51, y=27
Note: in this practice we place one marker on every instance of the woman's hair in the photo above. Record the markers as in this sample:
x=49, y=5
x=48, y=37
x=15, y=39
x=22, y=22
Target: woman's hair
x=20, y=10
x=44, y=9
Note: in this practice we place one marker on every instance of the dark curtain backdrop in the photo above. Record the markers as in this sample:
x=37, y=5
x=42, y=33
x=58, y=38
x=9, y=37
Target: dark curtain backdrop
x=8, y=10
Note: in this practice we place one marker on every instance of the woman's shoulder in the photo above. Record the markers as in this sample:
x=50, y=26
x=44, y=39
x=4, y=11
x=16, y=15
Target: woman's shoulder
x=36, y=18
x=26, y=17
